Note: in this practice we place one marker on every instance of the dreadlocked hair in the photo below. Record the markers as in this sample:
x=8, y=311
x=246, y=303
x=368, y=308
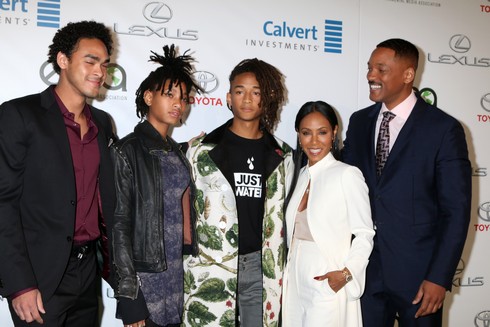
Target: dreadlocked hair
x=176, y=70
x=272, y=90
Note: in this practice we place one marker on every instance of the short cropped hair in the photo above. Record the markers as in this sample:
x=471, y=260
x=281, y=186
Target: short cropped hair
x=403, y=49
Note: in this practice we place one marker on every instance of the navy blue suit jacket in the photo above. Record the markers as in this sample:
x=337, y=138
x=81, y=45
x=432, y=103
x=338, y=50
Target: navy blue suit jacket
x=421, y=202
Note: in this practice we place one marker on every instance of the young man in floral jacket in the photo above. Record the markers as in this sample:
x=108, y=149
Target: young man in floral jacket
x=242, y=174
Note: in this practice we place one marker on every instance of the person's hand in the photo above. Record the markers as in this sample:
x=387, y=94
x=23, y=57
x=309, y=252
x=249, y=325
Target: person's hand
x=140, y=323
x=28, y=306
x=432, y=297
x=336, y=279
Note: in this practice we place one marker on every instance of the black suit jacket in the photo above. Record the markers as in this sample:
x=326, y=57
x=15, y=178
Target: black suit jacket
x=421, y=202
x=38, y=192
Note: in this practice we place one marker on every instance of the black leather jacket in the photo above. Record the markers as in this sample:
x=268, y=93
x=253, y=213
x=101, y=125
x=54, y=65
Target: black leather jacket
x=138, y=238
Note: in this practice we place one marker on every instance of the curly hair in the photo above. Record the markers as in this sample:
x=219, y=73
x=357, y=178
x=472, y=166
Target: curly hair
x=67, y=38
x=272, y=89
x=174, y=69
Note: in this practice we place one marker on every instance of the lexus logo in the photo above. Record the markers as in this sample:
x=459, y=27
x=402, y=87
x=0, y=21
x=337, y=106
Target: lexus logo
x=460, y=43
x=157, y=12
x=460, y=267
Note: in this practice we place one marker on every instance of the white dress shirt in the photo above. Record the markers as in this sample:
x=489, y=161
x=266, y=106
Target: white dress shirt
x=402, y=111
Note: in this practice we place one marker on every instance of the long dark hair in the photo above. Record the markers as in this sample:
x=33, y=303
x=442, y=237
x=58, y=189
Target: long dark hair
x=299, y=157
x=272, y=89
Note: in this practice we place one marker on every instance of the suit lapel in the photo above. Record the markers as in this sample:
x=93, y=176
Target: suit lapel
x=404, y=137
x=371, y=149
x=55, y=125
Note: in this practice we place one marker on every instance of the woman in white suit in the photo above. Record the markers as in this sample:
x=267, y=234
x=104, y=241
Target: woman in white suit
x=329, y=228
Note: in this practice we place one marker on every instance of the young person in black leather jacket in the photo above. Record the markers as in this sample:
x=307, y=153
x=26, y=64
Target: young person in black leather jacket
x=153, y=184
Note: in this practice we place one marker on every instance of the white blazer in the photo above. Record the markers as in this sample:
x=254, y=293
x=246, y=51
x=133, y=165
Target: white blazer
x=338, y=207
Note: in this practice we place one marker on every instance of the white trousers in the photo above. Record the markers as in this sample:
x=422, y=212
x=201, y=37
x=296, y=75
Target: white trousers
x=308, y=302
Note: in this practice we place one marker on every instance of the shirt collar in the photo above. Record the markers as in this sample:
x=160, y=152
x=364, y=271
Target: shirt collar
x=68, y=114
x=403, y=109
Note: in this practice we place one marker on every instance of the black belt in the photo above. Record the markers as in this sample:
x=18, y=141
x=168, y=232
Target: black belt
x=80, y=251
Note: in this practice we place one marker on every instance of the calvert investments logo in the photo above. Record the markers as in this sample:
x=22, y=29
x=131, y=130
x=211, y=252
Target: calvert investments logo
x=333, y=36
x=302, y=37
x=14, y=12
x=17, y=12
x=460, y=46
x=209, y=82
x=157, y=14
x=48, y=13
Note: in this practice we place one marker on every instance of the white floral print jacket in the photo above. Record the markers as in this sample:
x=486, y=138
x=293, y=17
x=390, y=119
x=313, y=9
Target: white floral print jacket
x=210, y=280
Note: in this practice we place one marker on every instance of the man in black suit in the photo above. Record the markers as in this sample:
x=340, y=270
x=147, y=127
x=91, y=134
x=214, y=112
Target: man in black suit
x=56, y=186
x=420, y=193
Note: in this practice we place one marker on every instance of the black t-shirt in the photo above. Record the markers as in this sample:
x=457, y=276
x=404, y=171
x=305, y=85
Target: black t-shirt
x=246, y=162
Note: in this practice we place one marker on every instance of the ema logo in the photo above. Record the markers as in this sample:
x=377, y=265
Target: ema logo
x=116, y=78
x=333, y=36
x=48, y=13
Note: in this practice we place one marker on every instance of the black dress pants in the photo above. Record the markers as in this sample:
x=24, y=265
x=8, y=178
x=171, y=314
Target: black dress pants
x=75, y=302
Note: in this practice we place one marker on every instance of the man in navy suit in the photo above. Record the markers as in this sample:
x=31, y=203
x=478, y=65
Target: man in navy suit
x=420, y=198
x=57, y=186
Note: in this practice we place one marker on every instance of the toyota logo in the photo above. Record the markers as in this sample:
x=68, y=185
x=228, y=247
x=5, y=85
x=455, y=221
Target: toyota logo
x=484, y=211
x=482, y=319
x=206, y=80
x=485, y=102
